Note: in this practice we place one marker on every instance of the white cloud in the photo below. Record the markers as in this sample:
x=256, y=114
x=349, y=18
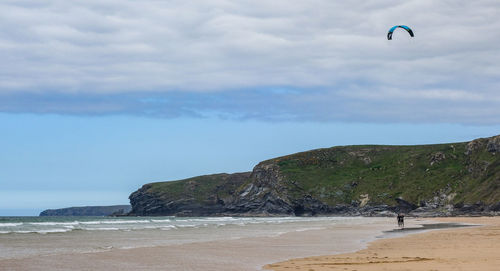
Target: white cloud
x=111, y=47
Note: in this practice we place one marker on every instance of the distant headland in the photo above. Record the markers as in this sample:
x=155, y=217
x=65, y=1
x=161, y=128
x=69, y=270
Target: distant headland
x=88, y=211
x=371, y=180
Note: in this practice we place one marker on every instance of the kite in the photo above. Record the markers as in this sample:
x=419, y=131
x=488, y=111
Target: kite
x=389, y=34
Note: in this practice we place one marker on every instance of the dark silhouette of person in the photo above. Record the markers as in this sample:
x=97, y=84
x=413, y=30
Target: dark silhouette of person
x=401, y=220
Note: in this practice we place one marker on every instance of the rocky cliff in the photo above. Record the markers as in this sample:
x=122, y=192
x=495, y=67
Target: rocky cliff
x=198, y=196
x=427, y=180
x=88, y=211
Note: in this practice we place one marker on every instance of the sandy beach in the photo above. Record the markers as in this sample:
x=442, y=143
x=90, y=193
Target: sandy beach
x=355, y=244
x=217, y=247
x=472, y=248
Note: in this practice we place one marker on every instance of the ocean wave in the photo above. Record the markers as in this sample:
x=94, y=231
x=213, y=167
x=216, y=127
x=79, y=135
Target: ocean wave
x=53, y=231
x=209, y=219
x=147, y=227
x=90, y=222
x=125, y=221
x=106, y=247
x=97, y=222
x=54, y=223
x=167, y=228
x=160, y=223
x=37, y=231
x=102, y=229
x=161, y=220
x=187, y=226
x=10, y=224
x=310, y=229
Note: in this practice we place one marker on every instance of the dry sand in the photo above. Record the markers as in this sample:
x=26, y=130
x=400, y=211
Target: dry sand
x=473, y=248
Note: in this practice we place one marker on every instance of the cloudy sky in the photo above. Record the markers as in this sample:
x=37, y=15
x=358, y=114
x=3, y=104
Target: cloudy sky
x=99, y=97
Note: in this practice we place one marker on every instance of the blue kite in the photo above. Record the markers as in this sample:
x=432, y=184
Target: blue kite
x=389, y=34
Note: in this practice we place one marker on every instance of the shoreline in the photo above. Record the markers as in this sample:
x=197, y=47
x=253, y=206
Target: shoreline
x=303, y=239
x=247, y=253
x=466, y=248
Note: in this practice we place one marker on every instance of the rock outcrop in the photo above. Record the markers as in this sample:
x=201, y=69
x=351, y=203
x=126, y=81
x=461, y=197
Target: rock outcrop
x=198, y=196
x=429, y=180
x=89, y=211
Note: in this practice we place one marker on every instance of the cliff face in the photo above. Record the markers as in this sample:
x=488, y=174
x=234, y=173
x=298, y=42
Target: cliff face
x=88, y=211
x=198, y=196
x=431, y=180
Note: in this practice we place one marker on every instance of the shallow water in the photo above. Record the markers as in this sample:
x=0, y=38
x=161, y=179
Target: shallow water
x=22, y=237
x=44, y=225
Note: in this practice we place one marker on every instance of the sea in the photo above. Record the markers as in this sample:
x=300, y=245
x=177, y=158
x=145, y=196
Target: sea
x=23, y=238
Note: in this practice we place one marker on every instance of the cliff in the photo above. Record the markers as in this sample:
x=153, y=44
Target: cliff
x=88, y=211
x=198, y=196
x=427, y=180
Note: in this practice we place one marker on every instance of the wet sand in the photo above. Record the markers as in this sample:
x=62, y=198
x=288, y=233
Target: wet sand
x=236, y=254
x=470, y=248
x=255, y=252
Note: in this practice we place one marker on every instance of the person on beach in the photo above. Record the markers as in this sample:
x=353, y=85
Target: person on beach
x=401, y=220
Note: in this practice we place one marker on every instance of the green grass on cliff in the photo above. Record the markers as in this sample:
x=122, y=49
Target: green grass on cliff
x=343, y=174
x=202, y=189
x=347, y=174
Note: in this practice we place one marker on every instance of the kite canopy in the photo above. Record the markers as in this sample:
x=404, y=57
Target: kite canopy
x=389, y=34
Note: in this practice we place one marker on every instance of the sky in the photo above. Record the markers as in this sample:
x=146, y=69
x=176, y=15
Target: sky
x=98, y=98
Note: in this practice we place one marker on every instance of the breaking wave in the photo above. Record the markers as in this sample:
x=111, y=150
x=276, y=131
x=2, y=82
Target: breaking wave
x=62, y=225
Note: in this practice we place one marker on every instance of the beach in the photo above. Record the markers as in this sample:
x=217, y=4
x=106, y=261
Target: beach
x=470, y=248
x=354, y=243
x=170, y=243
